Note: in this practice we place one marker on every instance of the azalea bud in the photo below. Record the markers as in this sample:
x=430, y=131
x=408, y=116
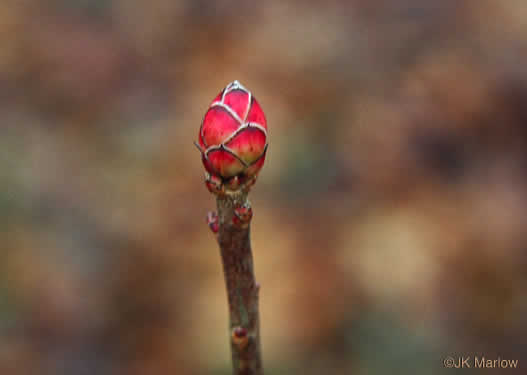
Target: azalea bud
x=233, y=136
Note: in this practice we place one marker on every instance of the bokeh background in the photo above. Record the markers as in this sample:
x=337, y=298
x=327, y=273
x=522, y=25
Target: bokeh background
x=390, y=217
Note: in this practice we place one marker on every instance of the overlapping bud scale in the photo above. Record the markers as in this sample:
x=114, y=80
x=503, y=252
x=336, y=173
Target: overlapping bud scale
x=233, y=135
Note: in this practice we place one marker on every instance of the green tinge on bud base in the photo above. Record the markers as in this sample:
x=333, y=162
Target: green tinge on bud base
x=217, y=185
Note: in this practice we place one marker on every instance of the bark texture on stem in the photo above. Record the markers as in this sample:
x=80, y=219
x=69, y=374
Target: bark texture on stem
x=242, y=289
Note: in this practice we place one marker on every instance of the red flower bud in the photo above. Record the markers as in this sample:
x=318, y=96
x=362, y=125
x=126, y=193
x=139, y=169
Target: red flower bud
x=233, y=134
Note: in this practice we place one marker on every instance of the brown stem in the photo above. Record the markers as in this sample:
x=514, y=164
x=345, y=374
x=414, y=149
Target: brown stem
x=242, y=290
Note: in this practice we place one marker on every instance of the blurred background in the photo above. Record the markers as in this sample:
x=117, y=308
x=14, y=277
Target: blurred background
x=390, y=217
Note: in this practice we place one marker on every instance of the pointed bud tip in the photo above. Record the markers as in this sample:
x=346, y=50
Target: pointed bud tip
x=235, y=84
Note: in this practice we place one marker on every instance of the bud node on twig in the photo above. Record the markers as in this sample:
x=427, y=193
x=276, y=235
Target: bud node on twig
x=240, y=337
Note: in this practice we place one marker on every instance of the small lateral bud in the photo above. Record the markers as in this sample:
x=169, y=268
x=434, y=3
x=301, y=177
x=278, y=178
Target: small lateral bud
x=240, y=337
x=214, y=183
x=242, y=215
x=213, y=221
